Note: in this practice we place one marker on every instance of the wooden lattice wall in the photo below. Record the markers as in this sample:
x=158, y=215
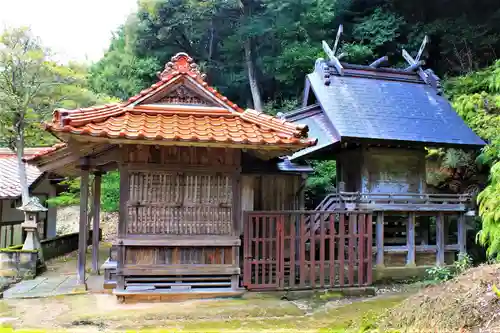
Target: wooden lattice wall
x=181, y=190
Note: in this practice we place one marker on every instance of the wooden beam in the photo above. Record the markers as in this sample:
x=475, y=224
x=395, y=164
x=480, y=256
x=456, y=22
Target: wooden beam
x=333, y=59
x=415, y=66
x=340, y=31
x=440, y=243
x=422, y=48
x=179, y=240
x=379, y=62
x=225, y=169
x=462, y=234
x=410, y=239
x=58, y=163
x=82, y=235
x=412, y=62
x=380, y=239
x=96, y=222
x=277, y=150
x=181, y=269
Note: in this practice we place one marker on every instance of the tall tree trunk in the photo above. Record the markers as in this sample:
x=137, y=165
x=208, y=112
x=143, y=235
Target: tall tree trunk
x=252, y=77
x=250, y=61
x=23, y=179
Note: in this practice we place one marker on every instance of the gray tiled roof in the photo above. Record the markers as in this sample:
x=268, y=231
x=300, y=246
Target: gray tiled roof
x=381, y=105
x=9, y=176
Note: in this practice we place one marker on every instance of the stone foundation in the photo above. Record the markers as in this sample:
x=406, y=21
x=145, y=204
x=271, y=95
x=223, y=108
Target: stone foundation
x=18, y=264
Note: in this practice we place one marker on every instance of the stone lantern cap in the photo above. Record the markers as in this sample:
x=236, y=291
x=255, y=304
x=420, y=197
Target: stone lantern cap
x=33, y=206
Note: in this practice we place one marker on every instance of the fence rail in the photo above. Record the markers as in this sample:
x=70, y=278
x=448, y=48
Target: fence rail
x=280, y=254
x=62, y=245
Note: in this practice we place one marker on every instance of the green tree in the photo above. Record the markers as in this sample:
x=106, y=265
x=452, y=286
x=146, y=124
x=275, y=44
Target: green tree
x=476, y=97
x=28, y=85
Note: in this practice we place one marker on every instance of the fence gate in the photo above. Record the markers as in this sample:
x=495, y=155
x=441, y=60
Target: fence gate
x=307, y=249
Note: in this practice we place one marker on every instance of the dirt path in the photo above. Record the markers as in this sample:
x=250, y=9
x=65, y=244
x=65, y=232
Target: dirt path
x=67, y=265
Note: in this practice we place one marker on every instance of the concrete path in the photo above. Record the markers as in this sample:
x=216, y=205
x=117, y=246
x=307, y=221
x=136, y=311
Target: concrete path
x=43, y=287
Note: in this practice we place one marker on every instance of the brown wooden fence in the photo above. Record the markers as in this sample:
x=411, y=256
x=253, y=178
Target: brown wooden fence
x=280, y=253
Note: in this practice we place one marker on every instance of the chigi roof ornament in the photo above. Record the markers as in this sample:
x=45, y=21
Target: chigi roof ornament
x=331, y=53
x=415, y=64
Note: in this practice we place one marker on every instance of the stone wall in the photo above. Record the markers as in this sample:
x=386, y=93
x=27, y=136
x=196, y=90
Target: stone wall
x=18, y=264
x=62, y=245
x=68, y=217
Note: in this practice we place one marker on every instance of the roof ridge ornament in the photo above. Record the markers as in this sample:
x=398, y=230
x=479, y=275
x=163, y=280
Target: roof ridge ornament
x=416, y=64
x=331, y=53
x=181, y=63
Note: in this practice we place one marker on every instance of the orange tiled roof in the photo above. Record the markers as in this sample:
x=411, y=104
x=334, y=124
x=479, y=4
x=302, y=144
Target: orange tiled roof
x=227, y=123
x=45, y=151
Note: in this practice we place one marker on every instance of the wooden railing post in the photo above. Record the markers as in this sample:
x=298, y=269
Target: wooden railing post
x=440, y=243
x=410, y=239
x=462, y=234
x=380, y=239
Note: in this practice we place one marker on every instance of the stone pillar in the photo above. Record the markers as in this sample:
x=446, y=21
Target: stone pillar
x=31, y=210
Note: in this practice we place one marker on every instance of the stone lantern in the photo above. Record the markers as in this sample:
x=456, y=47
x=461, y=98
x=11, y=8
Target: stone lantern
x=31, y=214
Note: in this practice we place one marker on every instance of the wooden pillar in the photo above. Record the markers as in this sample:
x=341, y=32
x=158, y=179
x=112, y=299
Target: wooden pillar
x=440, y=239
x=380, y=239
x=122, y=225
x=247, y=196
x=96, y=222
x=410, y=239
x=462, y=234
x=82, y=233
x=237, y=224
x=302, y=193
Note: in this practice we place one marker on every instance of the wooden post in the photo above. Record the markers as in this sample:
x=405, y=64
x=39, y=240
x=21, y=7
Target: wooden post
x=410, y=239
x=237, y=223
x=122, y=225
x=96, y=222
x=440, y=239
x=82, y=235
x=380, y=239
x=462, y=235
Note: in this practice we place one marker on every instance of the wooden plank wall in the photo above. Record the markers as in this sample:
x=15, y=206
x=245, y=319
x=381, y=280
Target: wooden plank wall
x=178, y=255
x=277, y=192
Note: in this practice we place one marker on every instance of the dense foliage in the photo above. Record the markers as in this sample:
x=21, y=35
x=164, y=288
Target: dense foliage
x=285, y=38
x=110, y=192
x=476, y=97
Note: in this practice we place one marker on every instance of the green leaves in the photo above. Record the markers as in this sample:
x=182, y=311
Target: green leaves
x=476, y=97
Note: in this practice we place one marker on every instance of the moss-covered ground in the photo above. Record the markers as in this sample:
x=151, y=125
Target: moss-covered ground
x=255, y=312
x=97, y=313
